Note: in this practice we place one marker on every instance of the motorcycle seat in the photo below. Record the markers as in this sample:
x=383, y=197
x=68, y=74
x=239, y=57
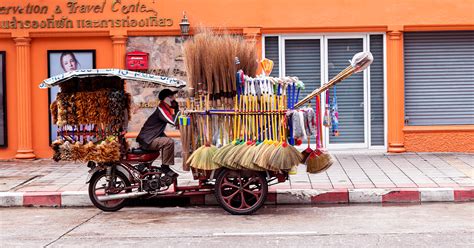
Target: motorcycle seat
x=139, y=151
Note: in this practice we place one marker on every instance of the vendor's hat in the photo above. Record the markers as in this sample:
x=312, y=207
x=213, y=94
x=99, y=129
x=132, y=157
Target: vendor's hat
x=166, y=93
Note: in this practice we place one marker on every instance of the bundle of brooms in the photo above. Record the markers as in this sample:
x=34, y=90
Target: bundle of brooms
x=259, y=128
x=210, y=61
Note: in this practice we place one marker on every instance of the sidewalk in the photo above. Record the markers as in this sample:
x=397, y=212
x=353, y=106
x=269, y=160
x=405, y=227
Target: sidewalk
x=356, y=177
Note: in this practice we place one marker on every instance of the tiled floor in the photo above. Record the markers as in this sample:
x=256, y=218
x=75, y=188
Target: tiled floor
x=350, y=170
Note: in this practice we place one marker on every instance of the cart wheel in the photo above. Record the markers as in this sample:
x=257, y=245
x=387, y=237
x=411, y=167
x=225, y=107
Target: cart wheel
x=241, y=192
x=97, y=187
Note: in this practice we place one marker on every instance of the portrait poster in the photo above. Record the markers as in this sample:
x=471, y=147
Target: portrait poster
x=3, y=102
x=61, y=61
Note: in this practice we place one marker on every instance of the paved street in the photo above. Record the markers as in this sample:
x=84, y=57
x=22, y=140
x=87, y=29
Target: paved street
x=428, y=225
x=351, y=170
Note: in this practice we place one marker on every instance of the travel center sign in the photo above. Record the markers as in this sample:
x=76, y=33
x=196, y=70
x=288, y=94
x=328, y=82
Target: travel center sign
x=74, y=14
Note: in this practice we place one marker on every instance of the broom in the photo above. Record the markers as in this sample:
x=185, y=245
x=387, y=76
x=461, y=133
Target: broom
x=265, y=121
x=184, y=123
x=306, y=151
x=285, y=156
x=359, y=62
x=202, y=157
x=246, y=159
x=222, y=153
x=318, y=161
x=263, y=159
x=235, y=155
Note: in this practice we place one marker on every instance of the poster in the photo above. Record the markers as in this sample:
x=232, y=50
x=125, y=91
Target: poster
x=3, y=108
x=61, y=61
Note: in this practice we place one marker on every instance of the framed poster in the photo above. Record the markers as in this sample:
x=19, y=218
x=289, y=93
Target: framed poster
x=3, y=102
x=61, y=61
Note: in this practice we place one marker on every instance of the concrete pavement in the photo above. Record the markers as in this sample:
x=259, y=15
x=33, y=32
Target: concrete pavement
x=356, y=177
x=428, y=225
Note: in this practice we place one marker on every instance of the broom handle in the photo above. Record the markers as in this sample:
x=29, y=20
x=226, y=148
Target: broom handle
x=318, y=123
x=209, y=131
x=338, y=78
x=235, y=118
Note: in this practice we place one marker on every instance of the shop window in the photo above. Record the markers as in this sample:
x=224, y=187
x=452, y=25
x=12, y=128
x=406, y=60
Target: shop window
x=377, y=111
x=3, y=101
x=272, y=52
x=439, y=78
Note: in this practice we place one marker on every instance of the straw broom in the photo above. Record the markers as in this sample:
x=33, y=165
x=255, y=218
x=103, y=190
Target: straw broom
x=234, y=155
x=263, y=157
x=285, y=156
x=246, y=159
x=202, y=157
x=221, y=154
x=227, y=160
x=318, y=161
x=266, y=129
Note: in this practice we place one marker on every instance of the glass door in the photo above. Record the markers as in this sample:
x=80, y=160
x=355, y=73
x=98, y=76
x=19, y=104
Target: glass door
x=350, y=96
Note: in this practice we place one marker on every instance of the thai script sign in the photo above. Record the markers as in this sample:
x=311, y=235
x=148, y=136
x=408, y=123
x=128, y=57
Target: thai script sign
x=64, y=17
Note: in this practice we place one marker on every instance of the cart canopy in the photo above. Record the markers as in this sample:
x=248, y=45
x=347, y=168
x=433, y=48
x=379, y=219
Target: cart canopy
x=123, y=74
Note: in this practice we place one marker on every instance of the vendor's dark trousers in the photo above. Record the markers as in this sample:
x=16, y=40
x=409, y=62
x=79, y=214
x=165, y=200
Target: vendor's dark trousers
x=166, y=146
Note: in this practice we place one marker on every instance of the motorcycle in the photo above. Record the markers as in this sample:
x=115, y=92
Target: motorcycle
x=237, y=191
x=130, y=173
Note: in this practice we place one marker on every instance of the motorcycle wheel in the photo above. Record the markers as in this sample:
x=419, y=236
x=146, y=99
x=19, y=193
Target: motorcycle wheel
x=241, y=192
x=97, y=186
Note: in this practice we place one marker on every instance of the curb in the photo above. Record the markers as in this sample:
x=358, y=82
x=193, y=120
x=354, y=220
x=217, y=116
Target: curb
x=275, y=197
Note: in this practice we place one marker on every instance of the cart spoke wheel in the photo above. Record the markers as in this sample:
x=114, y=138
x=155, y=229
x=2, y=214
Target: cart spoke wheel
x=241, y=192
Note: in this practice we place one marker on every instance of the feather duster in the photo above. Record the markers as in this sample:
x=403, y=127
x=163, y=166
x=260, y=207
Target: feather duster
x=62, y=109
x=76, y=153
x=102, y=105
x=69, y=102
x=116, y=108
x=89, y=105
x=57, y=150
x=89, y=151
x=80, y=107
x=128, y=104
x=65, y=150
x=54, y=111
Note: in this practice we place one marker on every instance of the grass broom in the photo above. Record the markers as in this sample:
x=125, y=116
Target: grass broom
x=202, y=157
x=246, y=159
x=285, y=156
x=222, y=153
x=318, y=161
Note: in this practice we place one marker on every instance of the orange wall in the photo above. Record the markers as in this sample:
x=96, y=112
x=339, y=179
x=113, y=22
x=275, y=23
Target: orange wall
x=263, y=16
x=277, y=14
x=439, y=139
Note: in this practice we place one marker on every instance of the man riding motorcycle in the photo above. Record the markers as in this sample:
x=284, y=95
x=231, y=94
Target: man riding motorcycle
x=152, y=135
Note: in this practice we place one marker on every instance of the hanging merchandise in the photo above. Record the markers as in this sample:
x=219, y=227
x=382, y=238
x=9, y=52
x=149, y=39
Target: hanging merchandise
x=267, y=66
x=334, y=115
x=92, y=111
x=318, y=161
x=327, y=114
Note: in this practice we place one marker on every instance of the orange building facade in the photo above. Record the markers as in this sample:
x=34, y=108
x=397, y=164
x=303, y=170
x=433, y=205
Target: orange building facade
x=407, y=31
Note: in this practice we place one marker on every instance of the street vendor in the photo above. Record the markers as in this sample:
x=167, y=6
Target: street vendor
x=152, y=135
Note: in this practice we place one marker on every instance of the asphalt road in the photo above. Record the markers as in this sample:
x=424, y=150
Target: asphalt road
x=427, y=225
